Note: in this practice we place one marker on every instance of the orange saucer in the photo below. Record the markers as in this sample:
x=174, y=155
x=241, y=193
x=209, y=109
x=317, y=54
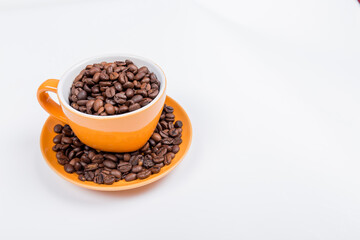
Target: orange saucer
x=46, y=144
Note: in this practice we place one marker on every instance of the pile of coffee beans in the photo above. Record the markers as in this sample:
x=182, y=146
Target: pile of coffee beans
x=107, y=168
x=113, y=88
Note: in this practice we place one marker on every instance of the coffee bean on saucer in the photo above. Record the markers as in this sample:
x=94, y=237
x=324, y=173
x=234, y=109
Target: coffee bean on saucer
x=108, y=168
x=69, y=168
x=130, y=177
x=58, y=128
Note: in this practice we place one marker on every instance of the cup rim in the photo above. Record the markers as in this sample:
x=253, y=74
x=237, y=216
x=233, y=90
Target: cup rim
x=96, y=59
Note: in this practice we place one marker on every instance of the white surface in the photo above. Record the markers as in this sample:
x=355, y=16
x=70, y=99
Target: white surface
x=271, y=87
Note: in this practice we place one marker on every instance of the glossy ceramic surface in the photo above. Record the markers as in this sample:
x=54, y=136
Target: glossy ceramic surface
x=46, y=145
x=117, y=133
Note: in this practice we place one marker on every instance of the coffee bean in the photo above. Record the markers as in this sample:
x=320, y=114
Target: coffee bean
x=109, y=164
x=109, y=179
x=158, y=159
x=82, y=95
x=144, y=174
x=177, y=141
x=178, y=124
x=91, y=167
x=58, y=128
x=134, y=107
x=127, y=157
x=137, y=98
x=114, y=76
x=82, y=177
x=153, y=93
x=143, y=69
x=118, y=86
x=167, y=161
x=116, y=173
x=173, y=132
x=98, y=104
x=99, y=179
x=156, y=137
x=136, y=169
x=104, y=76
x=109, y=109
x=129, y=93
x=167, y=141
x=57, y=138
x=110, y=92
x=124, y=167
x=66, y=140
x=155, y=169
x=130, y=177
x=106, y=168
x=148, y=163
x=69, y=168
x=104, y=81
x=175, y=148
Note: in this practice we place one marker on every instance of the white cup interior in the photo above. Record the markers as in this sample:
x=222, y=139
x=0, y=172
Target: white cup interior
x=68, y=78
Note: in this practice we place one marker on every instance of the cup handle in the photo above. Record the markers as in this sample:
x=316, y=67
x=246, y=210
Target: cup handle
x=46, y=101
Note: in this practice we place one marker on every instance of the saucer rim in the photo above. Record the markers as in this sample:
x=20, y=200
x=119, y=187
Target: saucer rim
x=130, y=185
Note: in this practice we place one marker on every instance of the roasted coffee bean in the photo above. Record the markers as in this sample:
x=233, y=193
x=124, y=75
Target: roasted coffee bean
x=57, y=138
x=58, y=128
x=99, y=179
x=152, y=93
x=82, y=177
x=173, y=132
x=69, y=168
x=162, y=151
x=116, y=173
x=158, y=159
x=145, y=147
x=178, y=124
x=66, y=140
x=109, y=179
x=167, y=141
x=98, y=158
x=143, y=174
x=148, y=163
x=110, y=156
x=175, y=148
x=155, y=169
x=118, y=86
x=160, y=165
x=98, y=104
x=129, y=93
x=110, y=92
x=82, y=95
x=109, y=109
x=106, y=168
x=137, y=98
x=109, y=164
x=134, y=107
x=167, y=161
x=136, y=169
x=91, y=167
x=130, y=177
x=77, y=166
x=124, y=167
x=156, y=137
x=127, y=157
x=177, y=141
x=104, y=81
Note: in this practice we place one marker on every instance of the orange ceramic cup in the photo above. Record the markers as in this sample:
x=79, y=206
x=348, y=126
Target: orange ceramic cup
x=118, y=133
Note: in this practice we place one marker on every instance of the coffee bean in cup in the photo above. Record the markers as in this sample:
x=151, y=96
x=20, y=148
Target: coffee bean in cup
x=113, y=88
x=108, y=167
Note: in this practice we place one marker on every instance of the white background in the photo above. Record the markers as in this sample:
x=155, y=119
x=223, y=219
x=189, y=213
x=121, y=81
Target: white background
x=271, y=88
